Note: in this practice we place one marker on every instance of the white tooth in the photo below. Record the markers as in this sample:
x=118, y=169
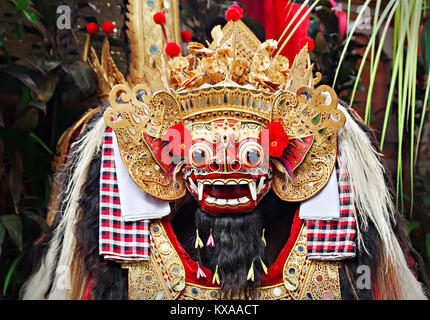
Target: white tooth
x=200, y=191
x=243, y=182
x=243, y=200
x=206, y=182
x=233, y=202
x=218, y=183
x=209, y=199
x=192, y=185
x=232, y=183
x=221, y=202
x=253, y=190
x=261, y=185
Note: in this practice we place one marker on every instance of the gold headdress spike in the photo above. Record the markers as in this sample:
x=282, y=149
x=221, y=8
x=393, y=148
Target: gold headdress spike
x=251, y=272
x=215, y=278
x=199, y=242
x=108, y=74
x=261, y=89
x=263, y=266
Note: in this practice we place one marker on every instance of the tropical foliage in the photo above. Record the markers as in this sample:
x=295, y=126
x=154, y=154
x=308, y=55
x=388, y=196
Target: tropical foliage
x=35, y=88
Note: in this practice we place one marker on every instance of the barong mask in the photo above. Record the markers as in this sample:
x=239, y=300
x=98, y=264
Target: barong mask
x=233, y=122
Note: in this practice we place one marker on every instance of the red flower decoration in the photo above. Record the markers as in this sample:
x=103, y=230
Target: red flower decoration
x=233, y=13
x=92, y=28
x=278, y=139
x=186, y=36
x=309, y=41
x=159, y=18
x=172, y=49
x=108, y=27
x=179, y=139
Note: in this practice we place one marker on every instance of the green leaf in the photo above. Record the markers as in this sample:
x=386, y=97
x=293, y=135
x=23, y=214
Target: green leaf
x=11, y=270
x=46, y=90
x=39, y=141
x=23, y=76
x=21, y=3
x=38, y=219
x=411, y=226
x=30, y=15
x=50, y=65
x=13, y=225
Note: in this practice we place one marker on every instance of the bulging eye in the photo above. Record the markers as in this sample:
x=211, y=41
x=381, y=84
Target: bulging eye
x=200, y=153
x=251, y=154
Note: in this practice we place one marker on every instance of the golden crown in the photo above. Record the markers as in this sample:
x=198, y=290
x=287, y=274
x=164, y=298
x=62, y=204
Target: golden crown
x=235, y=77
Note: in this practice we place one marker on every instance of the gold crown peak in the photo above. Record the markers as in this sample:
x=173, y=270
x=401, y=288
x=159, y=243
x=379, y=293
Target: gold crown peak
x=237, y=58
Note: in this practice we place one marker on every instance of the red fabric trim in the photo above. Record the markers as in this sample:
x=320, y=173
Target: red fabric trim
x=274, y=275
x=274, y=271
x=88, y=287
x=189, y=264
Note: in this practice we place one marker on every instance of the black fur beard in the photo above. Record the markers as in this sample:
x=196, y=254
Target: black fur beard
x=238, y=244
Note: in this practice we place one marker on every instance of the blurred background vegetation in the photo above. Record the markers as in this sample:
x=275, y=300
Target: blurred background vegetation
x=45, y=87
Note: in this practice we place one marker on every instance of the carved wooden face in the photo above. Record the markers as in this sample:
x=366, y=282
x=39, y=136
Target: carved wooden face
x=228, y=168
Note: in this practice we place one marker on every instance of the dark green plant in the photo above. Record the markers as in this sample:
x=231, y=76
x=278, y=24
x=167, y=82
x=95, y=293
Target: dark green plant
x=324, y=29
x=33, y=90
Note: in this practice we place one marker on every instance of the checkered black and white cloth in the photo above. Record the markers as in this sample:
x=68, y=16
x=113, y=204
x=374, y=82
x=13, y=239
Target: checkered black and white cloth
x=118, y=240
x=335, y=240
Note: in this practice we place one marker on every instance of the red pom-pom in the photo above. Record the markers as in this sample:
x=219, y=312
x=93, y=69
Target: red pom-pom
x=179, y=139
x=233, y=14
x=108, y=27
x=236, y=6
x=92, y=28
x=309, y=41
x=278, y=139
x=172, y=49
x=159, y=18
x=186, y=36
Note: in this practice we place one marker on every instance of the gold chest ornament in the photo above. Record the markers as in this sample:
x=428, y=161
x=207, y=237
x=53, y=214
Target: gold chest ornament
x=163, y=276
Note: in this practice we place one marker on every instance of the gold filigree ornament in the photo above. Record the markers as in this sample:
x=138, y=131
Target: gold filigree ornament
x=163, y=277
x=138, y=124
x=267, y=89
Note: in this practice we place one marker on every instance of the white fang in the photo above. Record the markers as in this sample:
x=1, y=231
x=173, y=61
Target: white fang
x=200, y=191
x=253, y=190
